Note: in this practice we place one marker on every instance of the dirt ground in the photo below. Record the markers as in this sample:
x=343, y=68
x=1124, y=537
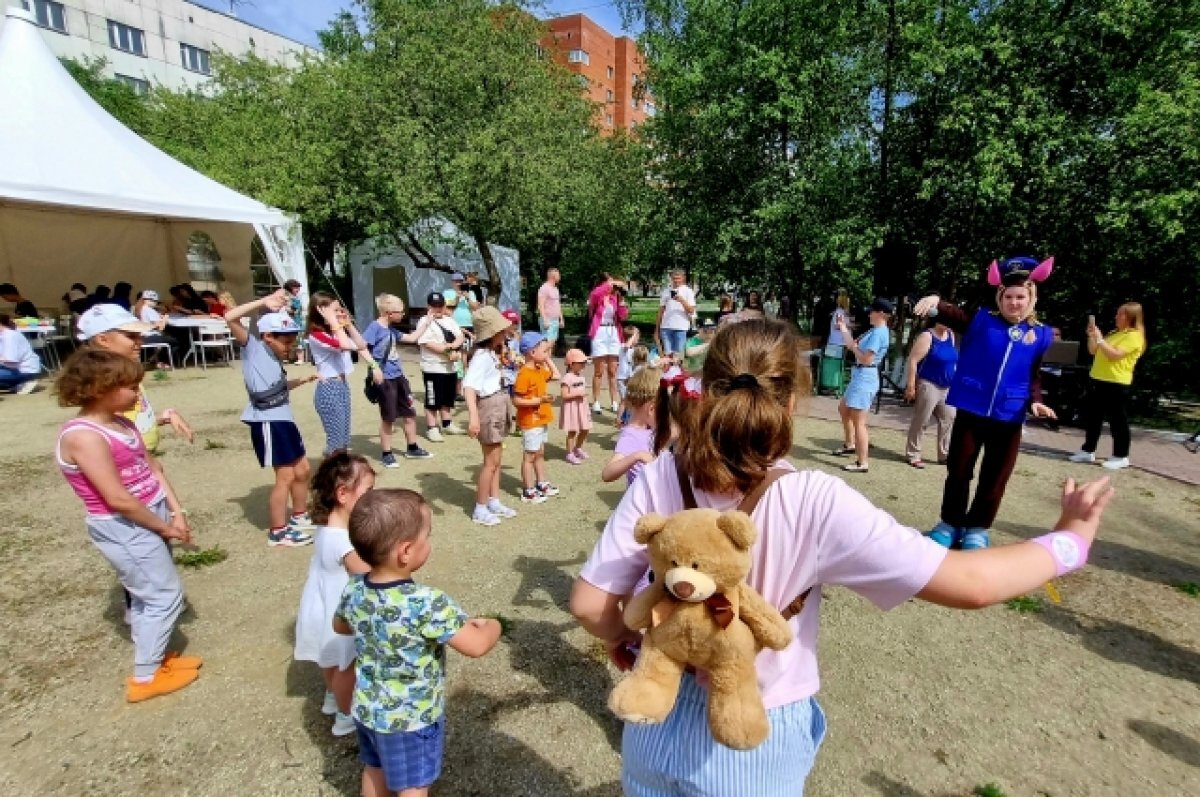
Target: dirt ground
x=1097, y=695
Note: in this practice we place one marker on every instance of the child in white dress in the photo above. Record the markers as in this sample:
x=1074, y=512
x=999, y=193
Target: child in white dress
x=337, y=485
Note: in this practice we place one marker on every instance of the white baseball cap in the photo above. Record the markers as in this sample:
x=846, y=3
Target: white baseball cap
x=109, y=318
x=150, y=295
x=277, y=324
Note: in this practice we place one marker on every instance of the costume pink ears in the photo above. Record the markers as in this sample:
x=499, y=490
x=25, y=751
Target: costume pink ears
x=1019, y=268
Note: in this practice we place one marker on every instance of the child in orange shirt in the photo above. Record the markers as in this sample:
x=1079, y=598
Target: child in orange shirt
x=531, y=395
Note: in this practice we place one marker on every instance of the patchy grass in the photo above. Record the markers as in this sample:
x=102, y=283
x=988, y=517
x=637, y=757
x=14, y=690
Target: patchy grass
x=1026, y=604
x=205, y=557
x=1188, y=588
x=988, y=790
x=210, y=445
x=159, y=375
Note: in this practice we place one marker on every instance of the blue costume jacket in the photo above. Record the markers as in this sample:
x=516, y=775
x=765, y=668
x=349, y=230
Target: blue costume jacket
x=996, y=367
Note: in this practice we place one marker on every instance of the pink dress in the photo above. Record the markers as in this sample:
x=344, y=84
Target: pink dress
x=575, y=415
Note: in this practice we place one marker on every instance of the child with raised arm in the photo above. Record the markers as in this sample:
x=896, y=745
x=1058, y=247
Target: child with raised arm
x=400, y=631
x=331, y=337
x=635, y=442
x=575, y=418
x=132, y=511
x=273, y=430
x=531, y=395
x=336, y=487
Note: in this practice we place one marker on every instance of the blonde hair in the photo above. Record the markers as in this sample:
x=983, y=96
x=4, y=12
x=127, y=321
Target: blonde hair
x=1029, y=285
x=226, y=298
x=639, y=355
x=388, y=303
x=843, y=301
x=642, y=387
x=1137, y=319
x=741, y=430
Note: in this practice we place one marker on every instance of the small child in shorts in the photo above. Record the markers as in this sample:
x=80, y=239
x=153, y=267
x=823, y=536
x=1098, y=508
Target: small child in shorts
x=273, y=430
x=635, y=442
x=490, y=412
x=400, y=631
x=535, y=412
x=639, y=357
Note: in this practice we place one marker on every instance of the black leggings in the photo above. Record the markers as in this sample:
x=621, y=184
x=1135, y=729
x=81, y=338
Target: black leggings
x=999, y=441
x=1106, y=401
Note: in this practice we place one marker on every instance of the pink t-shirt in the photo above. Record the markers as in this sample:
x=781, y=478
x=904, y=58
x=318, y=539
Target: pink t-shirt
x=630, y=440
x=548, y=298
x=813, y=529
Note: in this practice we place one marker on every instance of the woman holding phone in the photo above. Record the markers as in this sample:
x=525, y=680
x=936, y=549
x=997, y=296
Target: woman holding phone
x=1116, y=354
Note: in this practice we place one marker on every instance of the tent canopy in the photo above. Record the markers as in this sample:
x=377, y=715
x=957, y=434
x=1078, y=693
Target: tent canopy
x=85, y=199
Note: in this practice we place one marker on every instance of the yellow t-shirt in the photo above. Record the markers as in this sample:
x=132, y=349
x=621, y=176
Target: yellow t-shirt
x=145, y=420
x=1133, y=343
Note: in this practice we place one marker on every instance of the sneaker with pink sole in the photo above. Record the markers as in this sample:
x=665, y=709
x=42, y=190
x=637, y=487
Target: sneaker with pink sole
x=573, y=458
x=580, y=454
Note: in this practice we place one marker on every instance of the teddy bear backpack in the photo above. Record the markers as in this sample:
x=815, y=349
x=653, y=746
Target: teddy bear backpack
x=699, y=612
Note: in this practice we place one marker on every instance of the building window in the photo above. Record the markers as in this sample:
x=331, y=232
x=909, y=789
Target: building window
x=611, y=73
x=650, y=109
x=48, y=14
x=610, y=95
x=123, y=37
x=608, y=120
x=194, y=59
x=578, y=57
x=138, y=85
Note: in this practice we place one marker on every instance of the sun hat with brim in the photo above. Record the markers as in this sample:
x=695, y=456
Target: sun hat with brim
x=530, y=341
x=150, y=296
x=489, y=323
x=109, y=318
x=277, y=324
x=576, y=356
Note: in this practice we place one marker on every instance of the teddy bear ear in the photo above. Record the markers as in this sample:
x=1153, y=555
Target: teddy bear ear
x=739, y=528
x=647, y=526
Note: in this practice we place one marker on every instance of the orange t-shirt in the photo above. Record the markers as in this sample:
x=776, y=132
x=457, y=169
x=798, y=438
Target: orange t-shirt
x=533, y=382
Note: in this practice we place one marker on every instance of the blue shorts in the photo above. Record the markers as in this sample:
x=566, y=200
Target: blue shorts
x=673, y=340
x=277, y=443
x=680, y=757
x=549, y=330
x=864, y=384
x=409, y=760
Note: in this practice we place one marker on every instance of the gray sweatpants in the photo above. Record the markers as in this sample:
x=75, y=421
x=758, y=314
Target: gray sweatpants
x=931, y=401
x=145, y=568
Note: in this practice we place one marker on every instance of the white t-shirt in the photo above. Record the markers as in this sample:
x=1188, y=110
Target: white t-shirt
x=483, y=374
x=149, y=315
x=328, y=357
x=675, y=316
x=835, y=334
x=15, y=352
x=433, y=362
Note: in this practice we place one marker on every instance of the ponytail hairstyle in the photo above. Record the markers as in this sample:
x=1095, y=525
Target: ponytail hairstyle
x=1137, y=318
x=677, y=402
x=340, y=469
x=319, y=300
x=744, y=425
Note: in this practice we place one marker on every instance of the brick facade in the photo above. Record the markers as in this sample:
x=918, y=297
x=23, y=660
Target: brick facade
x=611, y=64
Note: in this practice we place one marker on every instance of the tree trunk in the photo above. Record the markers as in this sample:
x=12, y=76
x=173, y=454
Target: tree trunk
x=489, y=264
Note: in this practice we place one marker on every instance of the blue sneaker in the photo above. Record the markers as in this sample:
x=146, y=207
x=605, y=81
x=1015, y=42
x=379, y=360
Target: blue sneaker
x=975, y=539
x=288, y=538
x=945, y=535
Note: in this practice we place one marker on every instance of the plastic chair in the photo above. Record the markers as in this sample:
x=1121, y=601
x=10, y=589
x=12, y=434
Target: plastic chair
x=213, y=335
x=154, y=346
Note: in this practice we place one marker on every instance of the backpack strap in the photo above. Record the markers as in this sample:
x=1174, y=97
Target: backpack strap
x=748, y=504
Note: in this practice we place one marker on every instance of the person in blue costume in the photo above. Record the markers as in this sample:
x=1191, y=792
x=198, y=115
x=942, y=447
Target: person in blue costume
x=997, y=382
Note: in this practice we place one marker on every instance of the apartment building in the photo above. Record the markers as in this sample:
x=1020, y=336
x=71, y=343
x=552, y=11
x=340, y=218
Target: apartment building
x=146, y=42
x=610, y=69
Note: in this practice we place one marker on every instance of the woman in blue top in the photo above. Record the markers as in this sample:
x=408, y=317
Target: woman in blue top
x=930, y=369
x=868, y=352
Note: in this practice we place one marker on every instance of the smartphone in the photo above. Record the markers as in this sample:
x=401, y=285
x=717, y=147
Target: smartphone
x=673, y=292
x=1091, y=320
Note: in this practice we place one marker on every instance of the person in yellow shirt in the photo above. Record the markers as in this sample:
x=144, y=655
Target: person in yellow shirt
x=1108, y=390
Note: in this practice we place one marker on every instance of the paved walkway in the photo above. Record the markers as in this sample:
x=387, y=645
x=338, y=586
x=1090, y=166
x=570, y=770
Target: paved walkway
x=1159, y=453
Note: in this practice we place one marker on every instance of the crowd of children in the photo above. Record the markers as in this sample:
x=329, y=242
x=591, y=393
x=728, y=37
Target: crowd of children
x=378, y=636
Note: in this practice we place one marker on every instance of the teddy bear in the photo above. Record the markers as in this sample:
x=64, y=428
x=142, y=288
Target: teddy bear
x=709, y=618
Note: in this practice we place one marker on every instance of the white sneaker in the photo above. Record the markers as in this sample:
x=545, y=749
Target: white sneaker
x=329, y=707
x=343, y=725
x=1082, y=456
x=26, y=388
x=454, y=428
x=596, y=408
x=500, y=510
x=615, y=407
x=1116, y=463
x=485, y=518
x=434, y=435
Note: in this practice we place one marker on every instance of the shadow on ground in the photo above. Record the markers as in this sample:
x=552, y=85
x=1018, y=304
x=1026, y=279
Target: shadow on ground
x=1168, y=740
x=1126, y=644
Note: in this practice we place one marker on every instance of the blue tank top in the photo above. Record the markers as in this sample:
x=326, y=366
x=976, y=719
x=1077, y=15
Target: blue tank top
x=938, y=365
x=996, y=365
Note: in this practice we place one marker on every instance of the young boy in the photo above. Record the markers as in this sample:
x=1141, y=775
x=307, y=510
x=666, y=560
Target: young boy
x=400, y=631
x=531, y=395
x=273, y=430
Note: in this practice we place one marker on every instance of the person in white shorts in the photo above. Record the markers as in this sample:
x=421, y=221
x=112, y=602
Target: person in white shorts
x=607, y=310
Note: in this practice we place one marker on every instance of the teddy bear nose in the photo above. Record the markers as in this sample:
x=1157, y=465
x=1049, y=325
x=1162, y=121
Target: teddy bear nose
x=683, y=589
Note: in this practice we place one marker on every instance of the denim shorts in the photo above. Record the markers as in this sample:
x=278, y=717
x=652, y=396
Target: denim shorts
x=673, y=340
x=409, y=760
x=679, y=757
x=864, y=384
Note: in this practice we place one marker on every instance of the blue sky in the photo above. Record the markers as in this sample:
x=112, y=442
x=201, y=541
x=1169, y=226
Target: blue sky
x=301, y=19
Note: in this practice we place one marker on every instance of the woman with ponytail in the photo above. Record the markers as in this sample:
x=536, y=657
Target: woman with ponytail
x=813, y=529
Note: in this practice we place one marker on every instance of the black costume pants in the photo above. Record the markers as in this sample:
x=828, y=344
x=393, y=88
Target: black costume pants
x=1106, y=401
x=999, y=441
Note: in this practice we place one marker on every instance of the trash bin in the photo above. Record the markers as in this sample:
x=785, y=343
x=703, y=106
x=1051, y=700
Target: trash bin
x=831, y=376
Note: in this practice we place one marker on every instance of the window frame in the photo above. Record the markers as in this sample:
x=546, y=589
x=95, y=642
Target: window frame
x=135, y=36
x=140, y=85
x=579, y=56
x=201, y=64
x=45, y=8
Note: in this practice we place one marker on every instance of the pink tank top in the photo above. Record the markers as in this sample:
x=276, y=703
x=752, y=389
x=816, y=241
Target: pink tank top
x=129, y=455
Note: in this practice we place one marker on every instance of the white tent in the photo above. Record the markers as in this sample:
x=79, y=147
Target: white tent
x=378, y=267
x=85, y=199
